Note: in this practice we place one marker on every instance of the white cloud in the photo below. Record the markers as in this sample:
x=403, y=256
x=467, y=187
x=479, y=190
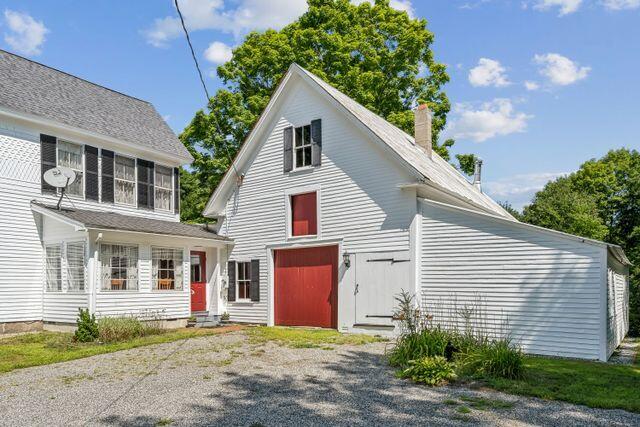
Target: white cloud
x=565, y=6
x=519, y=189
x=621, y=4
x=26, y=35
x=218, y=53
x=491, y=119
x=529, y=85
x=488, y=72
x=238, y=19
x=401, y=5
x=560, y=70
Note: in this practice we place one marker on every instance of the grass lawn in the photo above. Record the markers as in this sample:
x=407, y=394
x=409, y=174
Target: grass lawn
x=307, y=338
x=43, y=348
x=593, y=384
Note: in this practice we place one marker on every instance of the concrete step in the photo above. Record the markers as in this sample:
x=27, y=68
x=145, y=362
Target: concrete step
x=206, y=324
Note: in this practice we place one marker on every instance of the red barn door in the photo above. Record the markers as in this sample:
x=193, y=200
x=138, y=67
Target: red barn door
x=306, y=291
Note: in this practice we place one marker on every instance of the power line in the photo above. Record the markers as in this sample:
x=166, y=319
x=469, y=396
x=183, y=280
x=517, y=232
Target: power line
x=206, y=92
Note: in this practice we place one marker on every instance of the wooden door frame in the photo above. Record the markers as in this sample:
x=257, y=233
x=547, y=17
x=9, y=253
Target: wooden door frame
x=203, y=276
x=306, y=243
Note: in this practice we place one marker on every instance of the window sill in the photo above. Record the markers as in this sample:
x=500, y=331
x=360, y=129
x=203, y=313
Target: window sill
x=167, y=291
x=302, y=170
x=243, y=301
x=304, y=237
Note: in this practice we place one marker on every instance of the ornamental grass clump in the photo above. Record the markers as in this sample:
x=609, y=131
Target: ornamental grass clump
x=497, y=359
x=118, y=329
x=432, y=371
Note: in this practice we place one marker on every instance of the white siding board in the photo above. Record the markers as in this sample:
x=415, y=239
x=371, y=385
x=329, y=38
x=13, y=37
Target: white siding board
x=617, y=303
x=544, y=290
x=360, y=202
x=63, y=307
x=21, y=267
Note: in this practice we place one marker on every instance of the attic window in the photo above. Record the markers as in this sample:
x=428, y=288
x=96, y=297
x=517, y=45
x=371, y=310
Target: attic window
x=302, y=146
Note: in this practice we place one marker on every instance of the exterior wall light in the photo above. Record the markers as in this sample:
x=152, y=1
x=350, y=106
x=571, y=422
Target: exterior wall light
x=346, y=259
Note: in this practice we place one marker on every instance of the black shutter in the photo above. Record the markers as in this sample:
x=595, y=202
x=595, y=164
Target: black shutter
x=145, y=184
x=316, y=142
x=107, y=175
x=176, y=190
x=91, y=161
x=288, y=149
x=231, y=271
x=254, y=290
x=47, y=160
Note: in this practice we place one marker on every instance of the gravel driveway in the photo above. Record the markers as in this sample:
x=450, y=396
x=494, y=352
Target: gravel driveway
x=225, y=380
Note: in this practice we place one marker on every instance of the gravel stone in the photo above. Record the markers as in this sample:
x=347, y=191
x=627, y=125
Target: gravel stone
x=227, y=380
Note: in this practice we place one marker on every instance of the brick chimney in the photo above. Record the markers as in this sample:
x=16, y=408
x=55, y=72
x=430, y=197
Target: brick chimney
x=422, y=125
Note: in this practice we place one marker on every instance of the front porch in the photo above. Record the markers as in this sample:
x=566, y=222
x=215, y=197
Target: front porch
x=117, y=265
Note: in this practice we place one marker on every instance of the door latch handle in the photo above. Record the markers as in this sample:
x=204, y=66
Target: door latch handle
x=356, y=290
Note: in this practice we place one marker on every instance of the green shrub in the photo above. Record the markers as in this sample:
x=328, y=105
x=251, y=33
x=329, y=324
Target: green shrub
x=115, y=329
x=429, y=370
x=494, y=359
x=87, y=330
x=426, y=343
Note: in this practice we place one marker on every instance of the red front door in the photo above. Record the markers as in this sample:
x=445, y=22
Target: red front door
x=198, y=281
x=305, y=282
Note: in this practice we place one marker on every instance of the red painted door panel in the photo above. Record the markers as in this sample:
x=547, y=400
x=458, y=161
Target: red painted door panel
x=305, y=282
x=198, y=281
x=304, y=215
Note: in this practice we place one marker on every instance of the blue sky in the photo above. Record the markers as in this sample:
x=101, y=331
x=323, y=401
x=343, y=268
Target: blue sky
x=537, y=86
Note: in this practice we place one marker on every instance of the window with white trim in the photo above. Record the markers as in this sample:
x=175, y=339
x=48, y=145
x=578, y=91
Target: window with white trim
x=53, y=267
x=70, y=156
x=119, y=267
x=243, y=280
x=167, y=268
x=74, y=254
x=164, y=188
x=125, y=180
x=302, y=146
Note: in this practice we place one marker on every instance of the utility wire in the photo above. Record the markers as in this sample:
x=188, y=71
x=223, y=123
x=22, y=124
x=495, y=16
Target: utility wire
x=206, y=92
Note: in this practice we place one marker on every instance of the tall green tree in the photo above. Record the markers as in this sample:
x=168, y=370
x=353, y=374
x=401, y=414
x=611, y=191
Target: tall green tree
x=601, y=200
x=377, y=55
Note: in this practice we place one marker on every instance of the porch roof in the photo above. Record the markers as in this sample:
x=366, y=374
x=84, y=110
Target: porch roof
x=118, y=222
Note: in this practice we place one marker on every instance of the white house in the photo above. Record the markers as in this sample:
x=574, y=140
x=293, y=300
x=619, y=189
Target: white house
x=333, y=211
x=116, y=247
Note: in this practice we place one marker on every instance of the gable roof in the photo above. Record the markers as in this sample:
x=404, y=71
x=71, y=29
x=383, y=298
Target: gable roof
x=100, y=220
x=30, y=87
x=435, y=170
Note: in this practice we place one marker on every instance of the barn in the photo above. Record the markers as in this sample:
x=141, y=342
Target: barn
x=332, y=211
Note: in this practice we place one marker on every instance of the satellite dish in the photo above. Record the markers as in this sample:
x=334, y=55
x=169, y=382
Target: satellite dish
x=60, y=177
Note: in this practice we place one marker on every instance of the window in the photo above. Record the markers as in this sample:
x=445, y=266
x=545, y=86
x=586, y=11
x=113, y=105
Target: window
x=302, y=146
x=164, y=188
x=243, y=280
x=70, y=155
x=119, y=267
x=125, y=180
x=304, y=221
x=167, y=268
x=53, y=266
x=196, y=269
x=75, y=266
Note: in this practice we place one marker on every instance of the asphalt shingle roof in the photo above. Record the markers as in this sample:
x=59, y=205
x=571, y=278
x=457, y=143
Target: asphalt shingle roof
x=118, y=222
x=30, y=87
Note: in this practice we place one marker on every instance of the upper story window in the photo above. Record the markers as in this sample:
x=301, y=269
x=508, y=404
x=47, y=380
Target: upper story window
x=70, y=155
x=302, y=146
x=125, y=180
x=164, y=188
x=304, y=215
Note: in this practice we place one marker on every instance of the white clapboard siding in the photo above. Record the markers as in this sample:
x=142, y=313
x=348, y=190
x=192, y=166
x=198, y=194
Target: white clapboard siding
x=542, y=289
x=359, y=199
x=63, y=307
x=617, y=304
x=21, y=266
